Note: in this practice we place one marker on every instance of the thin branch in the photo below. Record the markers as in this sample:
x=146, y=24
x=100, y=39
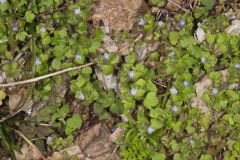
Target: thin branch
x=160, y=84
x=179, y=6
x=3, y=41
x=30, y=143
x=14, y=113
x=33, y=80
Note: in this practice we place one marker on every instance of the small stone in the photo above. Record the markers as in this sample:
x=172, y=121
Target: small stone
x=38, y=62
x=173, y=90
x=171, y=54
x=133, y=91
x=186, y=83
x=131, y=74
x=237, y=65
x=175, y=108
x=78, y=56
x=106, y=56
x=142, y=22
x=77, y=11
x=15, y=28
x=214, y=91
x=150, y=130
x=203, y=59
x=81, y=96
x=43, y=29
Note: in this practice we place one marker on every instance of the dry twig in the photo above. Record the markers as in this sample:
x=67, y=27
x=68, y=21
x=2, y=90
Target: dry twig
x=30, y=143
x=33, y=80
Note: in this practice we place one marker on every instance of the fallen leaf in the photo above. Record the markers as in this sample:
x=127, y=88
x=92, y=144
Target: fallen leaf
x=198, y=102
x=14, y=100
x=109, y=81
x=171, y=6
x=27, y=153
x=117, y=14
x=117, y=135
x=200, y=34
x=96, y=144
x=141, y=51
x=125, y=48
x=153, y=46
x=109, y=44
x=203, y=86
x=234, y=28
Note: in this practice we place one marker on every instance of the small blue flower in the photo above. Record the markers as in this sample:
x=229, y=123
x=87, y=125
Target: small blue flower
x=142, y=22
x=237, y=65
x=182, y=22
x=114, y=128
x=77, y=11
x=186, y=83
x=81, y=96
x=106, y=56
x=173, y=90
x=3, y=1
x=131, y=74
x=203, y=59
x=191, y=141
x=38, y=62
x=78, y=56
x=171, y=54
x=49, y=138
x=214, y=91
x=150, y=130
x=43, y=29
x=133, y=91
x=175, y=108
x=15, y=28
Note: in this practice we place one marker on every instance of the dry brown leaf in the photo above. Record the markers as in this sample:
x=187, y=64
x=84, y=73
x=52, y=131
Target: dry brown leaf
x=109, y=81
x=27, y=153
x=109, y=44
x=96, y=144
x=141, y=51
x=200, y=34
x=117, y=14
x=234, y=28
x=171, y=6
x=15, y=98
x=117, y=135
x=203, y=86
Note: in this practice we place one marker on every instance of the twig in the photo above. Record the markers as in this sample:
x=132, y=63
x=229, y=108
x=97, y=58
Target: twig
x=113, y=153
x=14, y=113
x=30, y=143
x=3, y=41
x=33, y=80
x=176, y=4
x=160, y=84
